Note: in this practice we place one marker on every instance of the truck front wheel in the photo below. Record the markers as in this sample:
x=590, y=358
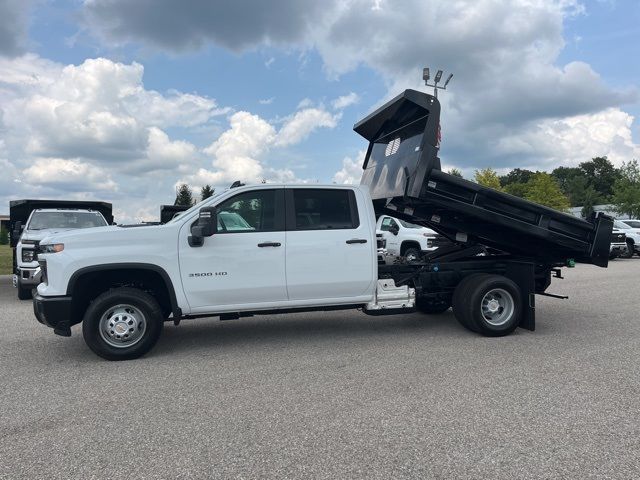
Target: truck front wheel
x=122, y=324
x=24, y=293
x=488, y=304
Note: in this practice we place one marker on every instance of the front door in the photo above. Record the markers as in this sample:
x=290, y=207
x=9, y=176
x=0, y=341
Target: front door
x=392, y=241
x=243, y=264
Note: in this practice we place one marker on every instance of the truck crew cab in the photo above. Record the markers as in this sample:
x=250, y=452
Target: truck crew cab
x=267, y=249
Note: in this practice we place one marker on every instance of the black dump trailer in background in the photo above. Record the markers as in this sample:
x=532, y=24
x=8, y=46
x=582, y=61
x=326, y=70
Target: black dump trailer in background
x=167, y=212
x=493, y=233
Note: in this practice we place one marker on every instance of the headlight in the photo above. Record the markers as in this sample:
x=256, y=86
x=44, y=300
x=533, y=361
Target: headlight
x=28, y=255
x=52, y=248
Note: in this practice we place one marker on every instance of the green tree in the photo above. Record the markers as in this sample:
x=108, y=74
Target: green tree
x=488, y=178
x=455, y=172
x=602, y=175
x=184, y=196
x=565, y=175
x=517, y=175
x=626, y=197
x=4, y=237
x=543, y=189
x=206, y=192
x=518, y=189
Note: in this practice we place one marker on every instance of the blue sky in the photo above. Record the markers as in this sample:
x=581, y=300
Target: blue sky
x=120, y=101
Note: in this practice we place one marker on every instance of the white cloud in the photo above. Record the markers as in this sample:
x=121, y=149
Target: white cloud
x=69, y=175
x=351, y=171
x=345, y=101
x=239, y=152
x=266, y=101
x=509, y=77
x=299, y=126
x=572, y=140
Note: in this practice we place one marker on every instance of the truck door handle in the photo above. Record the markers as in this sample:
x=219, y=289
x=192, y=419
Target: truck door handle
x=269, y=244
x=357, y=240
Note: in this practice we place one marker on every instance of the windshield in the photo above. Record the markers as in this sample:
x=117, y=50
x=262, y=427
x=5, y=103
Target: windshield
x=633, y=223
x=620, y=225
x=47, y=220
x=410, y=225
x=194, y=208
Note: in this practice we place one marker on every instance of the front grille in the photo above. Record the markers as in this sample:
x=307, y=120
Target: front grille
x=440, y=241
x=618, y=238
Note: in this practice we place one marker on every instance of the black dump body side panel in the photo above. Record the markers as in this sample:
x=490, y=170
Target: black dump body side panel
x=402, y=170
x=19, y=210
x=168, y=211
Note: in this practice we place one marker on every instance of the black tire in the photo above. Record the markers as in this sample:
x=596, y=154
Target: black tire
x=458, y=300
x=117, y=300
x=629, y=252
x=432, y=307
x=412, y=253
x=24, y=293
x=468, y=304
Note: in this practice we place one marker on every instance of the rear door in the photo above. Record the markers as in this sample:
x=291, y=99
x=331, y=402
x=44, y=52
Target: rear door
x=243, y=264
x=330, y=249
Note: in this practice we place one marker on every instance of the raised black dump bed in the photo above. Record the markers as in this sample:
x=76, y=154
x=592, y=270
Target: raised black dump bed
x=403, y=172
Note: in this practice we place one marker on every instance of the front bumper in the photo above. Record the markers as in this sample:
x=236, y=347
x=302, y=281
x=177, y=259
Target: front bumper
x=54, y=312
x=618, y=249
x=30, y=276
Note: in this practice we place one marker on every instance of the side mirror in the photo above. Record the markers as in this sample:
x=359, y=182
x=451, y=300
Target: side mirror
x=394, y=229
x=206, y=227
x=208, y=221
x=17, y=231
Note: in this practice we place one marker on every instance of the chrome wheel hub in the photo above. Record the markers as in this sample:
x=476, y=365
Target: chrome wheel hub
x=497, y=306
x=122, y=326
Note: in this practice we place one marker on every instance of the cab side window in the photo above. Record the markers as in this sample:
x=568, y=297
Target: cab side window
x=324, y=209
x=248, y=212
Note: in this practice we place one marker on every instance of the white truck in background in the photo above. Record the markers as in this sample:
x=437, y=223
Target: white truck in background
x=408, y=240
x=632, y=237
x=33, y=220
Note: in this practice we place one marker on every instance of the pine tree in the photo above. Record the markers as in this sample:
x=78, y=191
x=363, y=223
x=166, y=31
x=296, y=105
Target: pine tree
x=184, y=196
x=206, y=192
x=455, y=172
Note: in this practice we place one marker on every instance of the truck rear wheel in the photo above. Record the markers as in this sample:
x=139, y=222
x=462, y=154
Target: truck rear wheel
x=122, y=324
x=488, y=304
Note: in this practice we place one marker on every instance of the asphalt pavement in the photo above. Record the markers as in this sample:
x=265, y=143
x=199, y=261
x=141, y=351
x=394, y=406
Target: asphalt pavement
x=335, y=395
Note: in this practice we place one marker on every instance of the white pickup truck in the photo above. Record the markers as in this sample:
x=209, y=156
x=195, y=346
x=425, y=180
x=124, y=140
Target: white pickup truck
x=41, y=223
x=408, y=240
x=248, y=250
